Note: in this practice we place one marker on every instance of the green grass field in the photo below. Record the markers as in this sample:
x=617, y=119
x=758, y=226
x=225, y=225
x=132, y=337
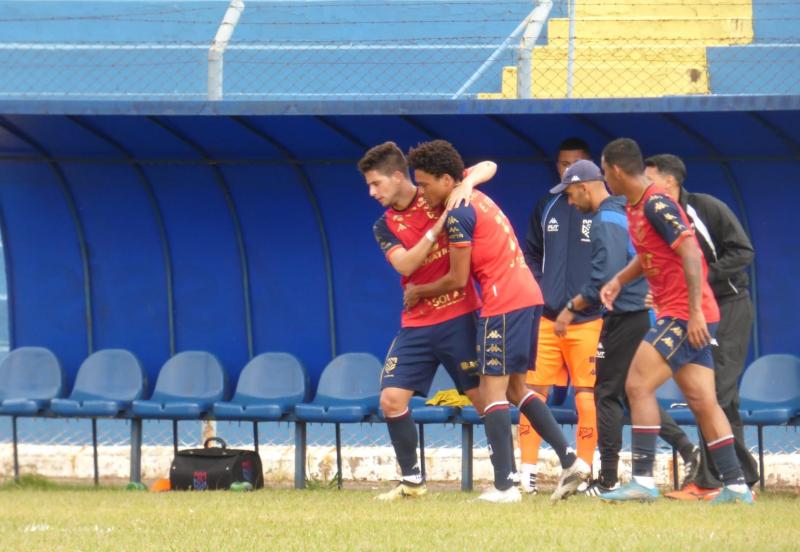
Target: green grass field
x=42, y=516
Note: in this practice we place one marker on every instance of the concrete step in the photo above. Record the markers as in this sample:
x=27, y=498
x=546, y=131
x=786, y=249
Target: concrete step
x=651, y=74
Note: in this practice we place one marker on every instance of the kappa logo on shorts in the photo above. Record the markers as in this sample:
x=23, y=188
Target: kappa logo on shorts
x=494, y=362
x=390, y=364
x=668, y=341
x=494, y=348
x=494, y=334
x=677, y=331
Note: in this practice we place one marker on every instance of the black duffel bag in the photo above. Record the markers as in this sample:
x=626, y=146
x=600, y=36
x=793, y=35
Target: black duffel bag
x=214, y=468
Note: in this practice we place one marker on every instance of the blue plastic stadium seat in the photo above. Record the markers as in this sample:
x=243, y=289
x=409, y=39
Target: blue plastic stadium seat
x=565, y=413
x=770, y=395
x=30, y=377
x=770, y=390
x=427, y=414
x=106, y=385
x=670, y=398
x=348, y=391
x=469, y=415
x=269, y=388
x=188, y=385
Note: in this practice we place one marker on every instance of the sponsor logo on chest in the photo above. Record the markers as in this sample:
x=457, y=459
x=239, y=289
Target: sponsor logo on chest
x=586, y=227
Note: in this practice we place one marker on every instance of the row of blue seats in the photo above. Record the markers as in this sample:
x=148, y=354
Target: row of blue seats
x=275, y=387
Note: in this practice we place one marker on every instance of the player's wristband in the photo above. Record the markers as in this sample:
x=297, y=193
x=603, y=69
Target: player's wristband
x=431, y=236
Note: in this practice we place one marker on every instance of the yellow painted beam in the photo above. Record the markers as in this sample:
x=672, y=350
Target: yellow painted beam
x=707, y=32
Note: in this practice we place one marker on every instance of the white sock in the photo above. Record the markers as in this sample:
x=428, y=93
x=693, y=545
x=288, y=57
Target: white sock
x=645, y=481
x=413, y=479
x=529, y=468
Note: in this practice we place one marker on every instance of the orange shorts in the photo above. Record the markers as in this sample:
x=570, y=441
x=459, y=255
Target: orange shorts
x=573, y=355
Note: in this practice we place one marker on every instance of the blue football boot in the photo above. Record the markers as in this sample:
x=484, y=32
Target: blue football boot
x=631, y=491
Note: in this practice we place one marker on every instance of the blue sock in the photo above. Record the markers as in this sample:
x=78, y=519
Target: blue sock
x=643, y=449
x=497, y=423
x=724, y=457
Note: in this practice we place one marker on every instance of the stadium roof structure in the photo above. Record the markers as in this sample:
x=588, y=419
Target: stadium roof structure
x=669, y=104
x=224, y=210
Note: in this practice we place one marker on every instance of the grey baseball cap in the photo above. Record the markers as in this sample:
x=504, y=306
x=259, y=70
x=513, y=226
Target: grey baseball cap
x=580, y=171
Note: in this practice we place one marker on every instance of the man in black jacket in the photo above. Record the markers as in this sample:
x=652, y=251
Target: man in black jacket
x=728, y=252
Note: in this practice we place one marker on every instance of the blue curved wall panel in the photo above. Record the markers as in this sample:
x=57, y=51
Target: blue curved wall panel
x=129, y=293
x=287, y=273
x=209, y=301
x=768, y=191
x=45, y=270
x=367, y=291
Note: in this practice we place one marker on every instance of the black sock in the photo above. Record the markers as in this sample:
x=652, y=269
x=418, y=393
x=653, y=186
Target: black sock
x=513, y=451
x=724, y=457
x=403, y=434
x=643, y=449
x=541, y=419
x=685, y=448
x=497, y=423
x=608, y=471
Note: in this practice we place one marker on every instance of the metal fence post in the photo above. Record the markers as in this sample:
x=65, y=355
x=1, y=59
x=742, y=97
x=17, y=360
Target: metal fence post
x=571, y=47
x=525, y=59
x=218, y=46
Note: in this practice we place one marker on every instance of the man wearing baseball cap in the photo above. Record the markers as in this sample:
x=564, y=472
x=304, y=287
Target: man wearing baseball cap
x=623, y=328
x=558, y=251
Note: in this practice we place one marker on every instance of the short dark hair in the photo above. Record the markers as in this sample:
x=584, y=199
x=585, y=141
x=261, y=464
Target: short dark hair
x=438, y=158
x=625, y=154
x=574, y=143
x=666, y=163
x=384, y=158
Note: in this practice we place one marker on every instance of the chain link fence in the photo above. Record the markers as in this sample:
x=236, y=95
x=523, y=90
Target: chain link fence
x=367, y=50
x=62, y=448
x=370, y=50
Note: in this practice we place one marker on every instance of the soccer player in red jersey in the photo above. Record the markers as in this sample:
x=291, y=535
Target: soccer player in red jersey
x=438, y=330
x=483, y=244
x=679, y=345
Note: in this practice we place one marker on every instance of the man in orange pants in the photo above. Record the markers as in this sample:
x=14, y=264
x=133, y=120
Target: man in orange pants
x=559, y=252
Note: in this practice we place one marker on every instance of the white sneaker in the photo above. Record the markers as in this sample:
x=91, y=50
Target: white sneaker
x=508, y=496
x=571, y=479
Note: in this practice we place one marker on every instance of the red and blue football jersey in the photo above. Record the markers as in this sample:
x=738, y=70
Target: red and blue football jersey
x=404, y=229
x=497, y=260
x=657, y=226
